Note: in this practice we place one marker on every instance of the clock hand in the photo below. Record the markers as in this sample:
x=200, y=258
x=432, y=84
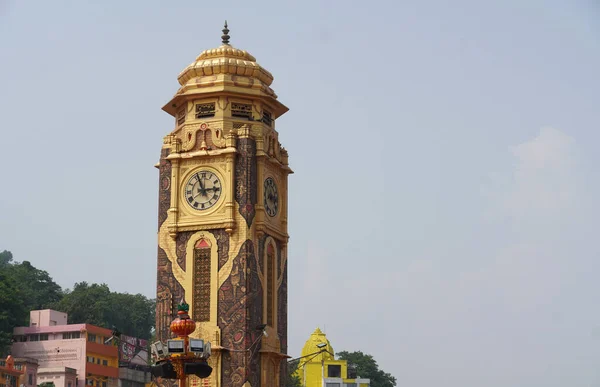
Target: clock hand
x=200, y=182
x=201, y=189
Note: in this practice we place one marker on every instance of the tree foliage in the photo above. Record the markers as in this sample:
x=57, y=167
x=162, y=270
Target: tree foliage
x=292, y=379
x=5, y=258
x=24, y=288
x=85, y=304
x=132, y=314
x=12, y=310
x=38, y=289
x=367, y=367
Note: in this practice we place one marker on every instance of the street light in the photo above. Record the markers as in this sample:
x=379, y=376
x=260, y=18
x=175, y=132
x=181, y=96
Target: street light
x=158, y=350
x=322, y=348
x=185, y=356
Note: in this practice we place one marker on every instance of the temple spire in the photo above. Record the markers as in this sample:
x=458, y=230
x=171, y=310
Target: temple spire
x=225, y=36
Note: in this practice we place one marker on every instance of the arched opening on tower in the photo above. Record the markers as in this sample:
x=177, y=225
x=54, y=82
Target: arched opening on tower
x=202, y=272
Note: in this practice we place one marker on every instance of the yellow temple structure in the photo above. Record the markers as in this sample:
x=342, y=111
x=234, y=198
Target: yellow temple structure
x=318, y=367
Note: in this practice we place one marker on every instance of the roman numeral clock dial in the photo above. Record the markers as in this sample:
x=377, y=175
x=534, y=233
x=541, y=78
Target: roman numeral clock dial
x=203, y=190
x=271, y=197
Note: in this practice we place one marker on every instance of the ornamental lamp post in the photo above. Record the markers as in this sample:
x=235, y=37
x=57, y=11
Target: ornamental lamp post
x=184, y=355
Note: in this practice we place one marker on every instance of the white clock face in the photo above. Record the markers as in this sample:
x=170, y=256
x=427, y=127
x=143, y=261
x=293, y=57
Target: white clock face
x=271, y=197
x=203, y=190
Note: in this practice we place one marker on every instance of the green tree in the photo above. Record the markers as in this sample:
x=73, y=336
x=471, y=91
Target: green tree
x=85, y=304
x=131, y=314
x=293, y=380
x=12, y=310
x=367, y=367
x=38, y=289
x=5, y=258
x=22, y=288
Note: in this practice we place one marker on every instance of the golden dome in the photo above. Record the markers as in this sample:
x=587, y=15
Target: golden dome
x=225, y=69
x=311, y=348
x=225, y=60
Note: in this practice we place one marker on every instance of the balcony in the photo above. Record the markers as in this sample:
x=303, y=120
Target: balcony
x=101, y=370
x=102, y=349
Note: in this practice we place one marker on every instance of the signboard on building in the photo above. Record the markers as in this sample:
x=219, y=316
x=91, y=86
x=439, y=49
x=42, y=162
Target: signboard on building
x=133, y=350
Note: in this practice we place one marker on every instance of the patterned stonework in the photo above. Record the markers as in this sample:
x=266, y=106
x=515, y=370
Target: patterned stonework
x=223, y=242
x=181, y=243
x=164, y=187
x=282, y=306
x=254, y=318
x=168, y=291
x=269, y=282
x=245, y=178
x=239, y=312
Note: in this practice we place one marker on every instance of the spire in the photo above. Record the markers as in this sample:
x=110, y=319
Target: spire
x=225, y=35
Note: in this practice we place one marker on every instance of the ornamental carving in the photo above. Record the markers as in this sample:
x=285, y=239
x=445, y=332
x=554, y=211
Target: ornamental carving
x=191, y=163
x=203, y=137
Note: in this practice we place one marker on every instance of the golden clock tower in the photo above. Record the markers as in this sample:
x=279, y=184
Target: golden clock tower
x=222, y=217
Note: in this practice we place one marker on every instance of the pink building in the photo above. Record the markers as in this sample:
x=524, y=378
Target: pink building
x=70, y=355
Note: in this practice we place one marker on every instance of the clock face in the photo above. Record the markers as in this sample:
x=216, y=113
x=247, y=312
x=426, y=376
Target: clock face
x=271, y=197
x=203, y=190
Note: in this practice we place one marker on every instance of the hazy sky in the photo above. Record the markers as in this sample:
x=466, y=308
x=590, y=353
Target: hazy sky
x=443, y=211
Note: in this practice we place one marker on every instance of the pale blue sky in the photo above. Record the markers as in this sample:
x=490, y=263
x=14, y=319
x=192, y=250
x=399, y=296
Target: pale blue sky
x=443, y=213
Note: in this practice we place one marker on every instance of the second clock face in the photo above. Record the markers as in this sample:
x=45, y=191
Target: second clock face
x=202, y=190
x=271, y=197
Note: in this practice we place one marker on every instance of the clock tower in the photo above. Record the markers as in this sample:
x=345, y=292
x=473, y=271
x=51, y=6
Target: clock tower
x=222, y=217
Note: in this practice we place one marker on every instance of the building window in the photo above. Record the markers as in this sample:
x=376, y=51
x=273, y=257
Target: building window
x=104, y=362
x=69, y=384
x=181, y=116
x=267, y=118
x=202, y=274
x=350, y=385
x=332, y=384
x=204, y=110
x=103, y=384
x=89, y=382
x=43, y=337
x=334, y=371
x=270, y=283
x=30, y=379
x=91, y=337
x=71, y=335
x=241, y=110
x=351, y=372
x=34, y=337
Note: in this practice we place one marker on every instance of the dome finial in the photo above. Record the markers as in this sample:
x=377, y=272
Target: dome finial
x=225, y=36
